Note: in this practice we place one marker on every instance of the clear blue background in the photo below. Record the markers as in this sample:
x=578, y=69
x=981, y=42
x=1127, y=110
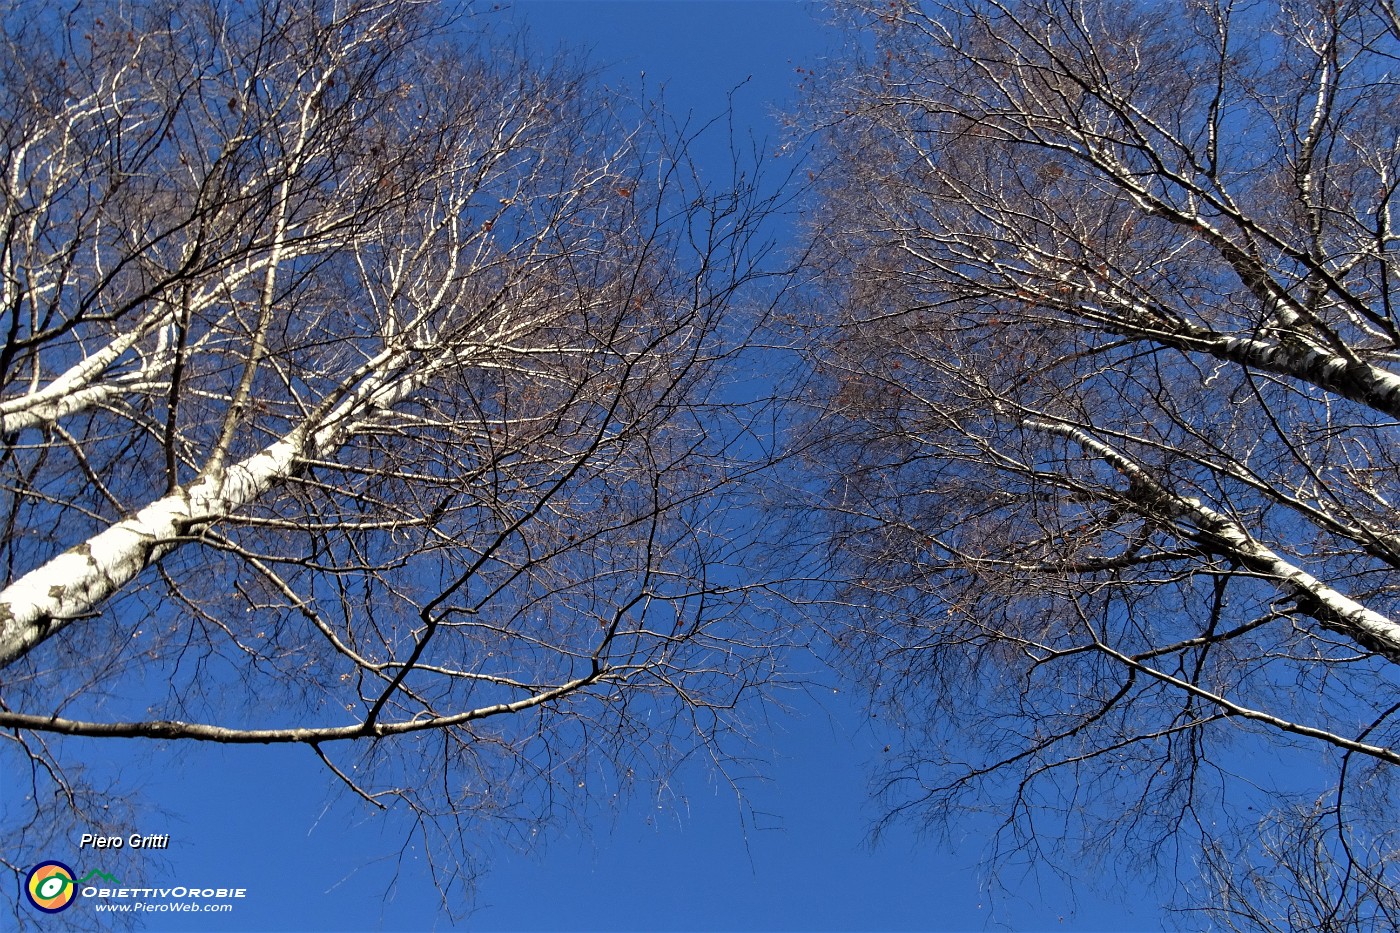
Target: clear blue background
x=792, y=855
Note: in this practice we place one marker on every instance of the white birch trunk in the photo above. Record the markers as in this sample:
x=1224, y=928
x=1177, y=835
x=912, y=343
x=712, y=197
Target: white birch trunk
x=1333, y=608
x=78, y=581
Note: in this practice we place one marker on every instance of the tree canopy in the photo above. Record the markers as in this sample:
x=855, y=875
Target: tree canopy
x=364, y=386
x=1109, y=405
x=371, y=387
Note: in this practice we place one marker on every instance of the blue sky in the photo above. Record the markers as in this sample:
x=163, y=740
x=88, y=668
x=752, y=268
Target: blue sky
x=793, y=855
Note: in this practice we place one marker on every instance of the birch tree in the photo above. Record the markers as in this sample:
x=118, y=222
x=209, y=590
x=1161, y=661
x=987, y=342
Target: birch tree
x=1110, y=397
x=364, y=387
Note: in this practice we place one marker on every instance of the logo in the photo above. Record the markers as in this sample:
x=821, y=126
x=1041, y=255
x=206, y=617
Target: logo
x=50, y=887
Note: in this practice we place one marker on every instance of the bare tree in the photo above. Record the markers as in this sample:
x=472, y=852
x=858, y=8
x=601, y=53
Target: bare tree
x=364, y=387
x=1285, y=878
x=1110, y=402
